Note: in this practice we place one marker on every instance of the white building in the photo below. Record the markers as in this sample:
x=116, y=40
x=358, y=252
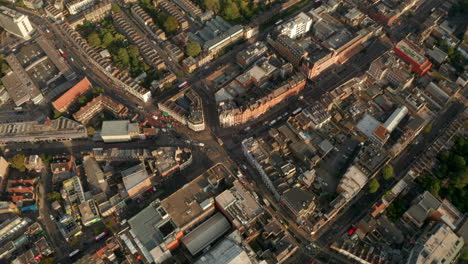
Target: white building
x=438, y=245
x=118, y=131
x=15, y=23
x=74, y=7
x=297, y=26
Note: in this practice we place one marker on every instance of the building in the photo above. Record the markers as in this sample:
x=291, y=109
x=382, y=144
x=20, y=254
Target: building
x=73, y=190
x=33, y=131
x=97, y=182
x=119, y=131
x=189, y=7
x=426, y=206
x=387, y=12
x=33, y=4
x=55, y=57
x=76, y=6
x=232, y=114
x=15, y=23
x=299, y=202
x=171, y=159
x=251, y=54
x=89, y=212
x=216, y=35
x=4, y=168
x=19, y=85
x=21, y=190
x=65, y=100
x=53, y=13
x=97, y=105
x=93, y=14
x=149, y=54
x=143, y=18
x=172, y=10
x=239, y=206
x=136, y=180
x=288, y=48
x=411, y=55
x=439, y=244
x=352, y=182
x=318, y=115
x=228, y=251
x=297, y=26
x=187, y=108
x=206, y=233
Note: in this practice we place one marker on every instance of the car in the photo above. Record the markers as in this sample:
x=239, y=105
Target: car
x=52, y=218
x=352, y=230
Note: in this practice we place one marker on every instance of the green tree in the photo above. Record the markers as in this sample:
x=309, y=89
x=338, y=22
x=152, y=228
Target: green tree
x=97, y=90
x=427, y=129
x=193, y=49
x=231, y=10
x=213, y=5
x=374, y=185
x=18, y=162
x=434, y=187
x=464, y=255
x=54, y=196
x=4, y=68
x=57, y=114
x=82, y=99
x=171, y=24
x=45, y=159
x=388, y=172
x=133, y=51
x=107, y=39
x=90, y=130
x=123, y=57
x=94, y=39
x=115, y=8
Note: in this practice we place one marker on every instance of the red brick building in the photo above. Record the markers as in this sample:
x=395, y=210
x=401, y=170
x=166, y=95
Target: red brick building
x=411, y=55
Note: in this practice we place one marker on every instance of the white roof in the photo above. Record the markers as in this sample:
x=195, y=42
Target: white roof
x=134, y=176
x=115, y=128
x=367, y=125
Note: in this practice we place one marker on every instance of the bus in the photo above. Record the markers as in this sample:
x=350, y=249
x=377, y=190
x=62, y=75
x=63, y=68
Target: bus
x=74, y=253
x=101, y=236
x=183, y=85
x=297, y=111
x=62, y=53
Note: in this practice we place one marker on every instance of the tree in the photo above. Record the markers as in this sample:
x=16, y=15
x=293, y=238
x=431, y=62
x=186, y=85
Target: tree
x=94, y=39
x=57, y=113
x=133, y=51
x=18, y=162
x=374, y=185
x=45, y=159
x=213, y=5
x=193, y=49
x=427, y=129
x=231, y=11
x=388, y=172
x=90, y=130
x=464, y=255
x=54, y=196
x=97, y=90
x=434, y=187
x=115, y=8
x=123, y=57
x=82, y=99
x=4, y=68
x=457, y=162
x=171, y=24
x=107, y=39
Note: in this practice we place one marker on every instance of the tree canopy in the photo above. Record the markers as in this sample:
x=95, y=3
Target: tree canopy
x=54, y=196
x=213, y=5
x=94, y=39
x=115, y=8
x=193, y=49
x=374, y=185
x=18, y=162
x=171, y=24
x=387, y=172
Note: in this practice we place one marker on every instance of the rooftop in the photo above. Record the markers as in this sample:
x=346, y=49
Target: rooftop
x=195, y=197
x=73, y=93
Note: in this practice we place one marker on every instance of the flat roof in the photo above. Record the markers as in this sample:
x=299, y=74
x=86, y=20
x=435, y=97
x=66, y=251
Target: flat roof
x=408, y=49
x=115, y=128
